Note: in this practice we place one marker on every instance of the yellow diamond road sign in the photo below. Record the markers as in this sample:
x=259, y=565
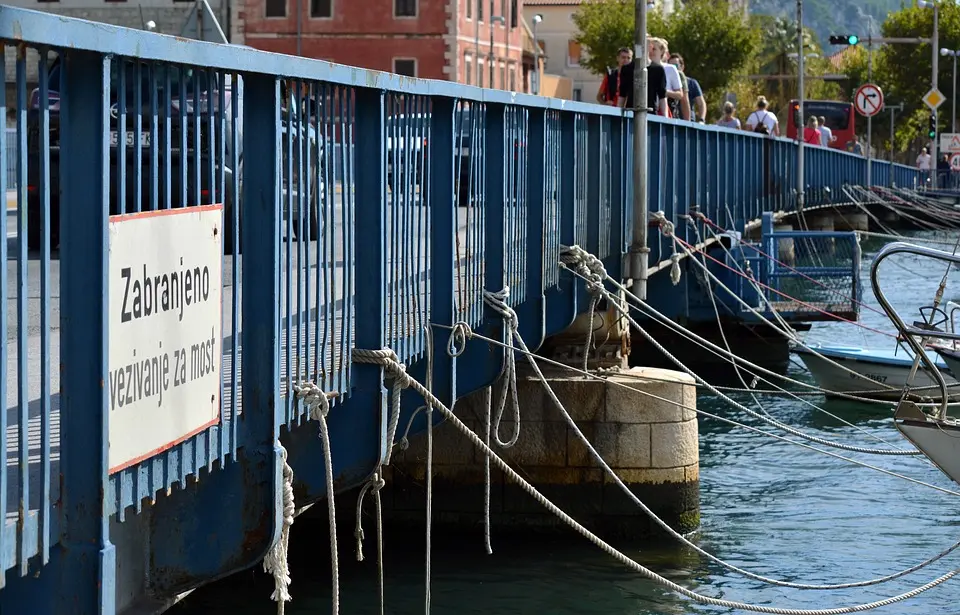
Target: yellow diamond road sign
x=934, y=98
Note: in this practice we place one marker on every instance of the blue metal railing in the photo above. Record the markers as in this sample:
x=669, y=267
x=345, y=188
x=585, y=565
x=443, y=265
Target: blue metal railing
x=359, y=209
x=803, y=275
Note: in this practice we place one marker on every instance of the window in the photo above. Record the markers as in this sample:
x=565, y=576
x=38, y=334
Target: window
x=513, y=78
x=503, y=76
x=503, y=9
x=470, y=9
x=574, y=53
x=480, y=72
x=468, y=69
x=405, y=66
x=514, y=14
x=321, y=9
x=543, y=46
x=275, y=8
x=479, y=9
x=577, y=94
x=404, y=8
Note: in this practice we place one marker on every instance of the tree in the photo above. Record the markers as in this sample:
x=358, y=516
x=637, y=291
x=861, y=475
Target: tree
x=714, y=43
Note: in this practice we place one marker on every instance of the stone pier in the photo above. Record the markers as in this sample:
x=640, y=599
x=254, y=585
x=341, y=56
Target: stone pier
x=852, y=221
x=651, y=444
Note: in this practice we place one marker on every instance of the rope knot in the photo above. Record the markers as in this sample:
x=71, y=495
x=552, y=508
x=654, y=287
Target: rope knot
x=314, y=398
x=374, y=484
x=666, y=226
x=275, y=562
x=675, y=268
x=459, y=336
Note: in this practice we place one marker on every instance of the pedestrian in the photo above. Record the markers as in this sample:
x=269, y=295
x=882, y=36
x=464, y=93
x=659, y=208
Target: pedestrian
x=610, y=86
x=656, y=81
x=729, y=119
x=811, y=134
x=825, y=133
x=678, y=105
x=923, y=164
x=763, y=120
x=695, y=99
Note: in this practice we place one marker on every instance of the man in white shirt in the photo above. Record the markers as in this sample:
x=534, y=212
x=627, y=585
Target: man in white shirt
x=675, y=89
x=762, y=120
x=923, y=164
x=826, y=135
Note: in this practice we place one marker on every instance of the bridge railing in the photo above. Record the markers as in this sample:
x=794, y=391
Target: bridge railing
x=359, y=209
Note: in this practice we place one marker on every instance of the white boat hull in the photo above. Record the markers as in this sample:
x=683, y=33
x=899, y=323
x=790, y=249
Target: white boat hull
x=872, y=379
x=938, y=440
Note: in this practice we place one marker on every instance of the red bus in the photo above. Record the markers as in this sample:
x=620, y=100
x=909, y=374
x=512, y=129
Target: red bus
x=839, y=115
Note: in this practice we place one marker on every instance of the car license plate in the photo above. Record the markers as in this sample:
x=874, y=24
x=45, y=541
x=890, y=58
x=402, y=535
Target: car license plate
x=130, y=138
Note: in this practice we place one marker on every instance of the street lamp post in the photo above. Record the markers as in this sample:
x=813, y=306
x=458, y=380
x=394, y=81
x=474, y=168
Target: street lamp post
x=953, y=104
x=800, y=70
x=536, y=54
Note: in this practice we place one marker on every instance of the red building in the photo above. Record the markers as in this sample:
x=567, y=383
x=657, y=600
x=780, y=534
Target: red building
x=434, y=39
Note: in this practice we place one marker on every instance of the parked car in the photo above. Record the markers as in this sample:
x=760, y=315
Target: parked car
x=127, y=138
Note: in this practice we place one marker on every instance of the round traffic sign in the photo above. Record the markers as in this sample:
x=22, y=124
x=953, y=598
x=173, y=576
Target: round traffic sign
x=955, y=162
x=868, y=100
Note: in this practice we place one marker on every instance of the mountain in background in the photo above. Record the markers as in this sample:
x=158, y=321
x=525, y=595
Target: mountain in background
x=826, y=17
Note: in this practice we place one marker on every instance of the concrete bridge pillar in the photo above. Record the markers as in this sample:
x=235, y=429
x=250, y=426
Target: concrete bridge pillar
x=786, y=250
x=851, y=221
x=651, y=444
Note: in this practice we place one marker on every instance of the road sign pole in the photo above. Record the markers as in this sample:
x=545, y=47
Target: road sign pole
x=869, y=149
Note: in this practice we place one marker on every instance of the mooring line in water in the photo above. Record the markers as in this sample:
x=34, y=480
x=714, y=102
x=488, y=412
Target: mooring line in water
x=760, y=406
x=709, y=415
x=388, y=360
x=786, y=330
x=585, y=263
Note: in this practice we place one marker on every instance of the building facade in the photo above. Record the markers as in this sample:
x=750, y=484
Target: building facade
x=433, y=39
x=557, y=36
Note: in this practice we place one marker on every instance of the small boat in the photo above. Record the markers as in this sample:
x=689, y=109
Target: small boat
x=936, y=434
x=873, y=373
x=938, y=438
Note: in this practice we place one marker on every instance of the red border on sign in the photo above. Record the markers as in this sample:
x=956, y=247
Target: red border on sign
x=863, y=89
x=219, y=417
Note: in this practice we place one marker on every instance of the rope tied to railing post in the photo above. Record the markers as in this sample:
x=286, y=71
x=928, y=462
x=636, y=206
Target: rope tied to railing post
x=275, y=563
x=388, y=360
x=667, y=229
x=317, y=402
x=498, y=301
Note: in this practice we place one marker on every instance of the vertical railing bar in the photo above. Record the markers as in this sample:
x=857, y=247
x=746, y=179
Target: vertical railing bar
x=349, y=160
x=313, y=204
x=323, y=113
x=23, y=394
x=184, y=133
x=287, y=205
x=46, y=402
x=168, y=138
x=121, y=130
x=302, y=135
x=138, y=132
x=235, y=99
x=407, y=238
x=330, y=247
x=196, y=163
x=4, y=295
x=152, y=70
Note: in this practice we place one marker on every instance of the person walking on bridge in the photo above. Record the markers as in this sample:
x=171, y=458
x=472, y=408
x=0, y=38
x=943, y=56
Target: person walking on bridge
x=693, y=93
x=609, y=93
x=811, y=134
x=656, y=81
x=678, y=101
x=763, y=120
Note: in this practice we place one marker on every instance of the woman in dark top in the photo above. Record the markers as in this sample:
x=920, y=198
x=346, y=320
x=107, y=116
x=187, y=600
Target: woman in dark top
x=656, y=82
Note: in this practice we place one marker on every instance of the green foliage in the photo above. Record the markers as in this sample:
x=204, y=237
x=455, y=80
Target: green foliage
x=714, y=43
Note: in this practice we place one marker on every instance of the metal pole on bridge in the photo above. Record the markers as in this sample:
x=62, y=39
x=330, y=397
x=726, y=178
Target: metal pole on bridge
x=870, y=117
x=893, y=111
x=639, y=251
x=802, y=124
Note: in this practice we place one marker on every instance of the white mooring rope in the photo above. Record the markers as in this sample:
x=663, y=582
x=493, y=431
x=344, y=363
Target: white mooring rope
x=275, y=563
x=387, y=359
x=373, y=485
x=317, y=403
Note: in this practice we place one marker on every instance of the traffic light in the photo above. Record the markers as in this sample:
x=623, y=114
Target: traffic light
x=932, y=129
x=844, y=39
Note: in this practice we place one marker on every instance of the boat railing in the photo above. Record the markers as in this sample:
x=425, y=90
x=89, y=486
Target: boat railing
x=923, y=330
x=815, y=274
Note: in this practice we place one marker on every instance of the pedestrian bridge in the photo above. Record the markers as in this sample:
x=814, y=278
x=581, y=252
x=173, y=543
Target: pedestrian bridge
x=357, y=210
